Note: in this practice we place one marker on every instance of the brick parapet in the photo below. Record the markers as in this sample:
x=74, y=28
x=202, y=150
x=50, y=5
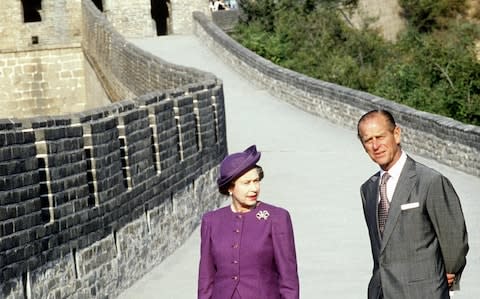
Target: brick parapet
x=70, y=184
x=91, y=201
x=433, y=136
x=126, y=70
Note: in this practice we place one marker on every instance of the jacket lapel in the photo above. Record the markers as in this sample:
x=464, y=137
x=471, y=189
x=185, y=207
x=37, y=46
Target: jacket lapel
x=372, y=205
x=404, y=187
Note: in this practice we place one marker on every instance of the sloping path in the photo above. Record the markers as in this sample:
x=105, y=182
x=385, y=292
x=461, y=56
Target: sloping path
x=314, y=169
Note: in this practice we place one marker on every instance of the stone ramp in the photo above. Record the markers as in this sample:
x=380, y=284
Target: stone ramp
x=314, y=169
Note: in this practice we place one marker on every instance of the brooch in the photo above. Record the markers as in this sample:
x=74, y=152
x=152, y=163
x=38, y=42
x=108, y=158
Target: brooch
x=263, y=215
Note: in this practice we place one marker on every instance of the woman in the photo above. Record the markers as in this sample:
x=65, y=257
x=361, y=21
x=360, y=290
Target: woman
x=247, y=248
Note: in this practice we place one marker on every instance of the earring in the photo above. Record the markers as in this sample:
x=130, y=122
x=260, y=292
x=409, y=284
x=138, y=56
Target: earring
x=230, y=193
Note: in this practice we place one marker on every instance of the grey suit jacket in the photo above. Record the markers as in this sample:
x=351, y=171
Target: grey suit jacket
x=425, y=235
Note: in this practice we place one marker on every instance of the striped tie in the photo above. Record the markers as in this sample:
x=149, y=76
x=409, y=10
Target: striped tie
x=383, y=205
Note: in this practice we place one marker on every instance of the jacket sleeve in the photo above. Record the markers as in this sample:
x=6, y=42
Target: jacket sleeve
x=285, y=257
x=206, y=273
x=446, y=214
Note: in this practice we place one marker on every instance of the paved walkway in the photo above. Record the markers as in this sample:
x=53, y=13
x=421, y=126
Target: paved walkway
x=314, y=169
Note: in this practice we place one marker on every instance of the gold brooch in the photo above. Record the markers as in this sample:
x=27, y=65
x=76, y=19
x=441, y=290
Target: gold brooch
x=263, y=215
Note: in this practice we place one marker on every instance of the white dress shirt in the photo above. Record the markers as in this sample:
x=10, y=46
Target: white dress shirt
x=394, y=173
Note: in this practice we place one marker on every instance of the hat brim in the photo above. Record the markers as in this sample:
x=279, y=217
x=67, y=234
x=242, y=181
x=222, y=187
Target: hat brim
x=249, y=163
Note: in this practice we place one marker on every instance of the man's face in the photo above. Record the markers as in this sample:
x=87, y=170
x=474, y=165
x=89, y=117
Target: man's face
x=380, y=140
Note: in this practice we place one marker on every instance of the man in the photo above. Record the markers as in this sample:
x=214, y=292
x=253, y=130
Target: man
x=414, y=218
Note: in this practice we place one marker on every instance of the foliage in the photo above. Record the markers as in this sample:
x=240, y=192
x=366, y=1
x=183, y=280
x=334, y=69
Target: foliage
x=259, y=12
x=438, y=73
x=434, y=70
x=427, y=15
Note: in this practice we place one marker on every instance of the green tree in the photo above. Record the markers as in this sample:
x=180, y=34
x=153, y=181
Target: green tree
x=427, y=15
x=432, y=67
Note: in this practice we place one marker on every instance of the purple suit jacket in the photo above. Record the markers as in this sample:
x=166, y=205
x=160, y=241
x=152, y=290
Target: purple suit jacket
x=253, y=253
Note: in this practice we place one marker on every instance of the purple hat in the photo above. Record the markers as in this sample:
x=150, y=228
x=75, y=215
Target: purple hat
x=234, y=165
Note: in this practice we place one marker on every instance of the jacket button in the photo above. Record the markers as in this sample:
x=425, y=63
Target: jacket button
x=235, y=246
x=235, y=277
x=237, y=230
x=235, y=262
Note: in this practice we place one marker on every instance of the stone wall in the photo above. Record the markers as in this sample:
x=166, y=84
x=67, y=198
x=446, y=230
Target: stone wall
x=42, y=82
x=59, y=25
x=131, y=18
x=182, y=22
x=383, y=15
x=41, y=62
x=95, y=94
x=91, y=201
x=125, y=70
x=226, y=19
x=134, y=19
x=433, y=136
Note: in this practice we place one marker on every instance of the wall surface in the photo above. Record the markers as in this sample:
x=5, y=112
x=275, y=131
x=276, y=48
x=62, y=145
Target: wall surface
x=134, y=18
x=182, y=22
x=91, y=201
x=226, y=19
x=433, y=136
x=41, y=62
x=95, y=94
x=42, y=82
x=59, y=25
x=51, y=77
x=131, y=18
x=124, y=70
x=383, y=15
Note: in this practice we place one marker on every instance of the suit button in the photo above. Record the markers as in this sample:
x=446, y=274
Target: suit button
x=237, y=230
x=235, y=246
x=235, y=262
x=235, y=277
x=239, y=216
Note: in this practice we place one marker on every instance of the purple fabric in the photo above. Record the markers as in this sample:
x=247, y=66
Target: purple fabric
x=236, y=164
x=240, y=252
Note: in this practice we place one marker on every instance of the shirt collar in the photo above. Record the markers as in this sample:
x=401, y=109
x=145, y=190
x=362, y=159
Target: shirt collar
x=397, y=167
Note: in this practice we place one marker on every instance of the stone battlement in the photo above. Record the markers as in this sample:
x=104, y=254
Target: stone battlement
x=91, y=201
x=440, y=138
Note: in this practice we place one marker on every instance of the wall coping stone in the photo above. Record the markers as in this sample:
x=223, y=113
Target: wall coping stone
x=460, y=141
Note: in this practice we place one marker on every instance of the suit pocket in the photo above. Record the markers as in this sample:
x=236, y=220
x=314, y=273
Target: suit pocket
x=427, y=269
x=427, y=279
x=430, y=288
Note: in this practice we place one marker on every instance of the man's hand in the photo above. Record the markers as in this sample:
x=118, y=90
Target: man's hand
x=450, y=279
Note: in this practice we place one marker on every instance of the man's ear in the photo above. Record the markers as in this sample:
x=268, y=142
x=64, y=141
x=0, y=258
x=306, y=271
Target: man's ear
x=397, y=134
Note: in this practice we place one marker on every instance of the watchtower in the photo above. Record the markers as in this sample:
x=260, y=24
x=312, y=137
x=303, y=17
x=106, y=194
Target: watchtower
x=43, y=70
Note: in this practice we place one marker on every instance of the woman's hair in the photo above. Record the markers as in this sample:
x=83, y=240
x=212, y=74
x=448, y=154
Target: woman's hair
x=224, y=190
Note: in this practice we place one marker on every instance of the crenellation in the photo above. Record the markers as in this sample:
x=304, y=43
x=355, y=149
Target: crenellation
x=450, y=142
x=74, y=229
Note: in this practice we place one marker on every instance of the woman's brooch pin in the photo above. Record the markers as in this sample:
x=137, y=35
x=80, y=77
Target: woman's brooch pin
x=263, y=215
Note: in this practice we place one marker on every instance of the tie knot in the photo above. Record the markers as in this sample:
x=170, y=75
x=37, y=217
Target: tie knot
x=385, y=178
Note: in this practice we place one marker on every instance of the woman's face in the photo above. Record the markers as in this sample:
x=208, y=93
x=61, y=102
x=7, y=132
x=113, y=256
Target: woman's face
x=245, y=191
